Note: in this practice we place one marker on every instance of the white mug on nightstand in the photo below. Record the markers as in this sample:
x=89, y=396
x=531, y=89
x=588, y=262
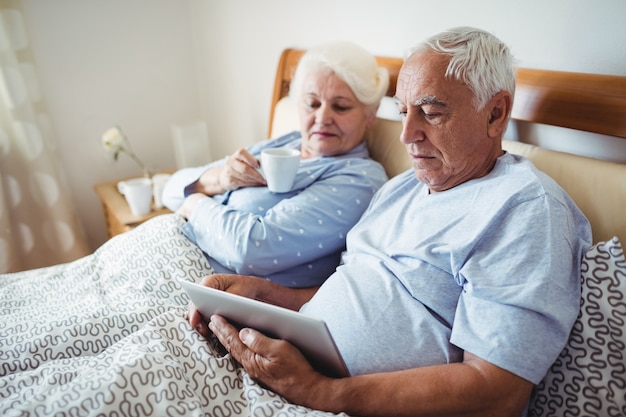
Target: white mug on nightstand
x=138, y=194
x=279, y=167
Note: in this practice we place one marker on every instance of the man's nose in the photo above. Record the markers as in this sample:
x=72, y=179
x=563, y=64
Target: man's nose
x=412, y=129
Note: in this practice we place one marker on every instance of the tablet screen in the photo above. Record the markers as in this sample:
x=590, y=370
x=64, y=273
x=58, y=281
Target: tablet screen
x=308, y=334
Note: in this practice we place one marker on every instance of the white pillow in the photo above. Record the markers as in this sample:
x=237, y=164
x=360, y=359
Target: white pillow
x=285, y=117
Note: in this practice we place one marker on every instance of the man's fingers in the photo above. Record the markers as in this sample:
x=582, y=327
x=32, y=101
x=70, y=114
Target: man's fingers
x=244, y=353
x=197, y=321
x=228, y=336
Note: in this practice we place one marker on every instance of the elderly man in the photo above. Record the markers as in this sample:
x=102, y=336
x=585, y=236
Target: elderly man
x=460, y=283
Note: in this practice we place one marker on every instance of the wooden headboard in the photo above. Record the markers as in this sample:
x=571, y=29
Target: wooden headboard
x=589, y=102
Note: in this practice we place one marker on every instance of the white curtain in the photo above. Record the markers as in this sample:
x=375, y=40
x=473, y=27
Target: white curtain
x=38, y=222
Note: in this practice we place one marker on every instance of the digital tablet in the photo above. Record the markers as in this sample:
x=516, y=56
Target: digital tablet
x=308, y=334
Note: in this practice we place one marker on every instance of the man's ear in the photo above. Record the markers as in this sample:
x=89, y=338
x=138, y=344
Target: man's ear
x=500, y=106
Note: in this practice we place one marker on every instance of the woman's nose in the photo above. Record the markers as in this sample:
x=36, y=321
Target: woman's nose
x=323, y=115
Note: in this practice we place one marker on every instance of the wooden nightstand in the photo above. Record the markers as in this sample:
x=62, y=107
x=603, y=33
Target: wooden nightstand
x=117, y=214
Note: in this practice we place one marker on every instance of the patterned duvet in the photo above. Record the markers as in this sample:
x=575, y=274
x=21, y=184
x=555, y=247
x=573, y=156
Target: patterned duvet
x=106, y=335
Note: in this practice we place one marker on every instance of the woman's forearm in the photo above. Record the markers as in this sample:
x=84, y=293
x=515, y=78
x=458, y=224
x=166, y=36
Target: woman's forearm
x=208, y=183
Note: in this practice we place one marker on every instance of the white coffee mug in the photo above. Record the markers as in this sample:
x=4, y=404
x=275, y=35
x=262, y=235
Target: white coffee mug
x=138, y=194
x=279, y=167
x=158, y=182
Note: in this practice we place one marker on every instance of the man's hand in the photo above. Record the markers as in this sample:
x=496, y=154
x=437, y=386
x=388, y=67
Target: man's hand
x=276, y=364
x=250, y=287
x=473, y=387
x=246, y=286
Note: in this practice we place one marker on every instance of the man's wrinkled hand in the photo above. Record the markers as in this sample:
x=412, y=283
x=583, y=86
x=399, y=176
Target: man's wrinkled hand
x=276, y=364
x=243, y=285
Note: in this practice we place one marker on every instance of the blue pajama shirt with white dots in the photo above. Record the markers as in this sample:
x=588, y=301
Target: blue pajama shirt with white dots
x=294, y=238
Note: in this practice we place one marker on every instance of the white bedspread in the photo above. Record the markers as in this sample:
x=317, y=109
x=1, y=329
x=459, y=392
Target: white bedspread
x=106, y=335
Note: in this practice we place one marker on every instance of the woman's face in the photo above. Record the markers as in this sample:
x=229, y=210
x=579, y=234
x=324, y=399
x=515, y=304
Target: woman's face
x=332, y=119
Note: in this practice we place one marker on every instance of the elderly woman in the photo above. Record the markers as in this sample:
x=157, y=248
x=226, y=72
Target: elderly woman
x=292, y=238
x=86, y=336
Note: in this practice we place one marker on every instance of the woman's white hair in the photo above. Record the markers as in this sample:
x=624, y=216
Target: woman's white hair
x=477, y=58
x=353, y=64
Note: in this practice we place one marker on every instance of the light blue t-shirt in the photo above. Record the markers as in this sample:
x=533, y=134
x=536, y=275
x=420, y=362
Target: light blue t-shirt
x=491, y=266
x=293, y=238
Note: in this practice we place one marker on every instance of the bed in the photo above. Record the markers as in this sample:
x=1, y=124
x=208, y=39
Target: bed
x=107, y=334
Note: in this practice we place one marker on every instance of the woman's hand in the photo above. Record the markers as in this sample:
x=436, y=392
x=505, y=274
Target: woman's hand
x=190, y=204
x=240, y=170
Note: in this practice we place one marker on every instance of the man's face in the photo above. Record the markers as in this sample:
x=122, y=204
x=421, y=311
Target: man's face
x=447, y=139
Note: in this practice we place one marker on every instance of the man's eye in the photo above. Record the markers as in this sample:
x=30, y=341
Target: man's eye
x=430, y=114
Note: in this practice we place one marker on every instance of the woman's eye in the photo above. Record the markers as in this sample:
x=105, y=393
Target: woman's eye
x=341, y=108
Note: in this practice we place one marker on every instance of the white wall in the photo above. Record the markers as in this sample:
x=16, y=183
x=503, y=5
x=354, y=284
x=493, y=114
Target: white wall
x=242, y=40
x=144, y=64
x=113, y=62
